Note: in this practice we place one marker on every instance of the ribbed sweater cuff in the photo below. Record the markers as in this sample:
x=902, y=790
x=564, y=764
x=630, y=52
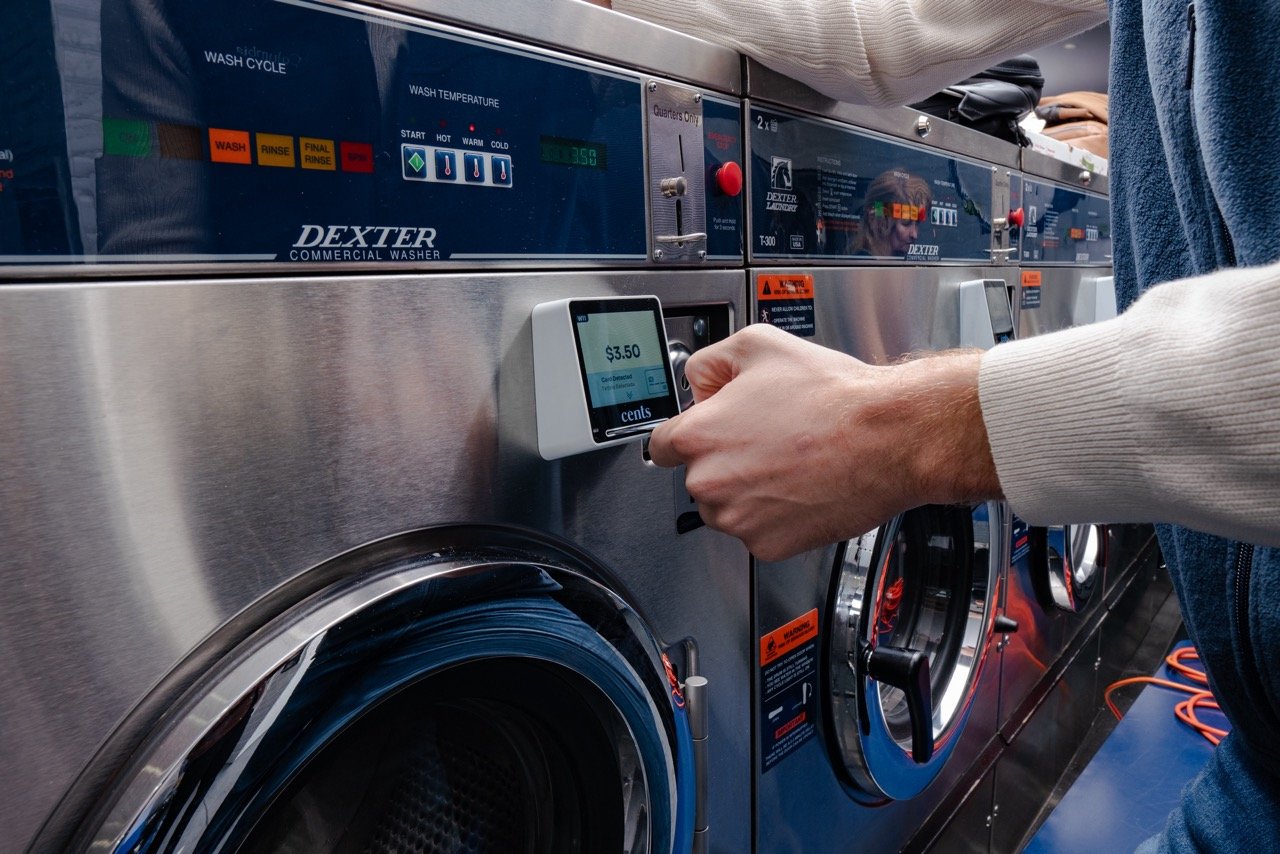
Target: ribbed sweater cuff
x=1057, y=418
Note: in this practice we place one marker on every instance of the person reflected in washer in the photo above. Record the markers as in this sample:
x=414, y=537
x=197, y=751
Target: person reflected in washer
x=892, y=210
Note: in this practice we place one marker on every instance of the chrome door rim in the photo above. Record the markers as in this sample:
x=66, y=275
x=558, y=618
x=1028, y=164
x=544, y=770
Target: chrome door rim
x=1074, y=561
x=874, y=759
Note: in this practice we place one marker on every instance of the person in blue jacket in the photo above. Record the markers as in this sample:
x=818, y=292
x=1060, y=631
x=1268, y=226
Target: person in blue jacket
x=1186, y=430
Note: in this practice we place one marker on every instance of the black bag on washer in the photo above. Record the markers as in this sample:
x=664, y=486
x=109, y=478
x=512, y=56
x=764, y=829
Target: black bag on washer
x=992, y=101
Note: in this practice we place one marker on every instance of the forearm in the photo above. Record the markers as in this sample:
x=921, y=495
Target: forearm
x=887, y=52
x=1169, y=413
x=940, y=429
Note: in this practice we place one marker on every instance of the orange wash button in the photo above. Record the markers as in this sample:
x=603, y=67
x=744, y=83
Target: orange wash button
x=275, y=149
x=780, y=641
x=784, y=287
x=229, y=146
x=317, y=153
x=1031, y=278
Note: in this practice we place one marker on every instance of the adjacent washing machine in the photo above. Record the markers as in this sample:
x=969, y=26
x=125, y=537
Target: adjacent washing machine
x=1056, y=575
x=298, y=555
x=876, y=679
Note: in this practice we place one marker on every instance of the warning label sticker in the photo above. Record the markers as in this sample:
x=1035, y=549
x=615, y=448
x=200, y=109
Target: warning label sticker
x=788, y=688
x=1030, y=289
x=786, y=301
x=1020, y=540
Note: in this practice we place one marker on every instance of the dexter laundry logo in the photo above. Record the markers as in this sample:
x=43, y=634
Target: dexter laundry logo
x=922, y=252
x=365, y=243
x=780, y=173
x=780, y=198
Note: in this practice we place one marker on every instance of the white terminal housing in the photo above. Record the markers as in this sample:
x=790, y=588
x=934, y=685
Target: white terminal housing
x=601, y=373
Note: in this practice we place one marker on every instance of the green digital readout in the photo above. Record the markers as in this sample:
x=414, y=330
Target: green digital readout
x=574, y=152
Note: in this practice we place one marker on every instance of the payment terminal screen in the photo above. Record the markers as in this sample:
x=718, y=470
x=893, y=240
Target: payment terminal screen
x=622, y=356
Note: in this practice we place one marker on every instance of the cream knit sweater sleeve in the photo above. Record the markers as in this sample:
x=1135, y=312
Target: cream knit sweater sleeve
x=880, y=52
x=1168, y=413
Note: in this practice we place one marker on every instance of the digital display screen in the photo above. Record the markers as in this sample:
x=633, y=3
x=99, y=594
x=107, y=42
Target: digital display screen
x=626, y=374
x=998, y=306
x=574, y=152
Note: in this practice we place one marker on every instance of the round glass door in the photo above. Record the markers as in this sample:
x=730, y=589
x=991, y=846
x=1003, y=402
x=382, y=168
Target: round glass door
x=1073, y=557
x=444, y=704
x=913, y=604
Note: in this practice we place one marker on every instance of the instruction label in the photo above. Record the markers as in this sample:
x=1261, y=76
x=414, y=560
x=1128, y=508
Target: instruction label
x=1019, y=540
x=786, y=301
x=788, y=688
x=1030, y=291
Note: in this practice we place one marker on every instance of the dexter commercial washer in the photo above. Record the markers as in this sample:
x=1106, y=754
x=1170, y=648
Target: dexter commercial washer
x=284, y=566
x=876, y=682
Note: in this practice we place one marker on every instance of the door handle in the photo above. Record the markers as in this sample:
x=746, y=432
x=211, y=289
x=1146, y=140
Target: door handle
x=907, y=670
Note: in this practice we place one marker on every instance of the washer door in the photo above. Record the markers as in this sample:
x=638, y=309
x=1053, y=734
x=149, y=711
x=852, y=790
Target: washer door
x=1070, y=560
x=444, y=704
x=913, y=604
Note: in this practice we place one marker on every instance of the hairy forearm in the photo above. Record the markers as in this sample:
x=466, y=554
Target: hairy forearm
x=942, y=422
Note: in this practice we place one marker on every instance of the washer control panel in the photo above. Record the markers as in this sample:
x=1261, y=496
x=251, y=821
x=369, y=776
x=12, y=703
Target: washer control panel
x=1065, y=226
x=601, y=373
x=305, y=132
x=824, y=191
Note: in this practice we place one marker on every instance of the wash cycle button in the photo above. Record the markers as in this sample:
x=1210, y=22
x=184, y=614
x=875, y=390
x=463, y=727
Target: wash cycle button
x=446, y=166
x=317, y=153
x=229, y=146
x=501, y=169
x=275, y=149
x=473, y=168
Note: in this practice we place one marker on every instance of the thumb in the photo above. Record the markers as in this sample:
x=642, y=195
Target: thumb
x=712, y=368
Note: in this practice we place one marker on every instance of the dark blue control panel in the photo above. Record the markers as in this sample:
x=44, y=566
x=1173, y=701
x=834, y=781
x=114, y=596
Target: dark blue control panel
x=298, y=132
x=820, y=190
x=1064, y=226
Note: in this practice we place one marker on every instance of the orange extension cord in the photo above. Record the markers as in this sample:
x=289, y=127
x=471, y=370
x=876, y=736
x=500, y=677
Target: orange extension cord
x=1185, y=710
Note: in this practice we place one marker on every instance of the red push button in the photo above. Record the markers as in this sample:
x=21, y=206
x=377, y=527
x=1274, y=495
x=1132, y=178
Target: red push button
x=1016, y=218
x=729, y=179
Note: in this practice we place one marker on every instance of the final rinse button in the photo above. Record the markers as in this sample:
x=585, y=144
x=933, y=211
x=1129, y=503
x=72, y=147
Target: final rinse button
x=473, y=168
x=446, y=165
x=501, y=165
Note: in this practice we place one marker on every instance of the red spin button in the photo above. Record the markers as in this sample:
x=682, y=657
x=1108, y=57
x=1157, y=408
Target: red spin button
x=1017, y=218
x=729, y=179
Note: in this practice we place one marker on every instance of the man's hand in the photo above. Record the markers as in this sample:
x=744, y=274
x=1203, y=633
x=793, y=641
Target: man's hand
x=793, y=446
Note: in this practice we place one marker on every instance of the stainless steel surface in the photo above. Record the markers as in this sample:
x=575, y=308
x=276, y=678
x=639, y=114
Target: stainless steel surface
x=1050, y=611
x=1072, y=721
x=677, y=179
x=587, y=30
x=176, y=450
x=903, y=122
x=1003, y=250
x=1041, y=165
x=805, y=803
x=1028, y=769
x=968, y=830
x=1068, y=297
